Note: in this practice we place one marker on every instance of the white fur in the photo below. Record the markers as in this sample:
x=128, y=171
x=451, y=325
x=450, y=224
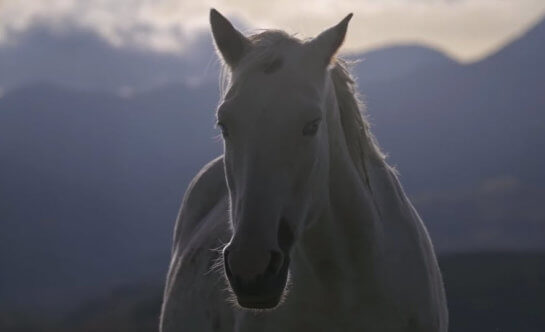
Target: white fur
x=362, y=260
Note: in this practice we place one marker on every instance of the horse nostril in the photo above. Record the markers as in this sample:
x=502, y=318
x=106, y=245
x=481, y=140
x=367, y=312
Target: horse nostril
x=243, y=265
x=275, y=263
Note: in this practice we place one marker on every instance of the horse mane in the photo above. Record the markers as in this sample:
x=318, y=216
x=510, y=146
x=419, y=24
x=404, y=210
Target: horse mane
x=362, y=144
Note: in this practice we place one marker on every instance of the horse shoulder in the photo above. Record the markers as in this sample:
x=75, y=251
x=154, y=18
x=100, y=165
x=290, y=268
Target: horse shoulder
x=194, y=298
x=206, y=191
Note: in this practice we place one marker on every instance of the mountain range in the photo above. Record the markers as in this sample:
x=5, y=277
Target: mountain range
x=91, y=181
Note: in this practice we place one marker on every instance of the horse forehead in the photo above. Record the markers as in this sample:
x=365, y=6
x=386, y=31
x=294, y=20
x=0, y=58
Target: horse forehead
x=286, y=88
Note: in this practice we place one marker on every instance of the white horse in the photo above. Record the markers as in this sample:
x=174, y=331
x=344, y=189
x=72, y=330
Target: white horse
x=301, y=225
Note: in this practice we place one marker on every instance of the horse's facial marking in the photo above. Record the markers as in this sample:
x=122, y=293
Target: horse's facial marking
x=273, y=66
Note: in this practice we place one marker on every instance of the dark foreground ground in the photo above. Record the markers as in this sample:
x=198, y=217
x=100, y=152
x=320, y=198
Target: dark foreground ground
x=499, y=292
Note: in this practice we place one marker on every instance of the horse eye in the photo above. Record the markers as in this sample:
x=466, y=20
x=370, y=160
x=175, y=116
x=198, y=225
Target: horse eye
x=311, y=128
x=223, y=129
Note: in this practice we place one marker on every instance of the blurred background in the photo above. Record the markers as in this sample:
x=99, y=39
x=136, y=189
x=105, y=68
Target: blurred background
x=107, y=112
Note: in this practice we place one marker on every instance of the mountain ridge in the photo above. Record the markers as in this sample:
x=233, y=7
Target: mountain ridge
x=92, y=181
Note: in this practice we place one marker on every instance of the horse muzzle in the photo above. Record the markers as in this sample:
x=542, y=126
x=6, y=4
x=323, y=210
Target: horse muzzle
x=257, y=279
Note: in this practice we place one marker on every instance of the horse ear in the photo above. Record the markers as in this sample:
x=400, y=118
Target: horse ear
x=326, y=44
x=231, y=44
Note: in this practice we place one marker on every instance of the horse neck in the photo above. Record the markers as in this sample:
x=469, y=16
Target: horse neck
x=348, y=228
x=369, y=239
x=368, y=216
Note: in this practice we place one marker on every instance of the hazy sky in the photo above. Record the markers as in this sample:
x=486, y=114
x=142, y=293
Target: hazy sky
x=466, y=29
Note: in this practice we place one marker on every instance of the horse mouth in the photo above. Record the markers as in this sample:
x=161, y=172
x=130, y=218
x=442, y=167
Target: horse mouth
x=259, y=303
x=264, y=292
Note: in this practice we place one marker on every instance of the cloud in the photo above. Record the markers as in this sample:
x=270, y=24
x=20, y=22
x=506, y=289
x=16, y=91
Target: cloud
x=81, y=59
x=466, y=29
